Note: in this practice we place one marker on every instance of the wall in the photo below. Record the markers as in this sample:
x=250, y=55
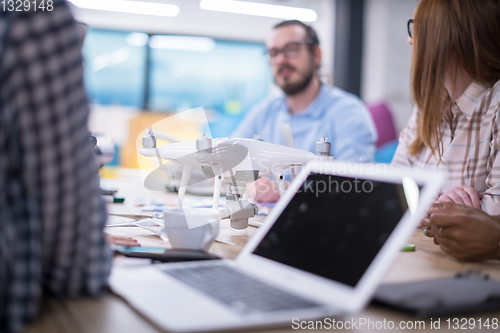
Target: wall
x=195, y=21
x=387, y=56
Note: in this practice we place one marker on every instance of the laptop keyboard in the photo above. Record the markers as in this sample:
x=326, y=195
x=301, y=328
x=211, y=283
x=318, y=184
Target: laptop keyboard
x=237, y=290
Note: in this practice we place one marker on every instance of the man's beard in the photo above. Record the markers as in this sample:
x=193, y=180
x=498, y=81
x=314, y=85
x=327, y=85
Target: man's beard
x=293, y=88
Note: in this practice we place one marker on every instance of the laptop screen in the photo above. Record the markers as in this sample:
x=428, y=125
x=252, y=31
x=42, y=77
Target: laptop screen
x=334, y=226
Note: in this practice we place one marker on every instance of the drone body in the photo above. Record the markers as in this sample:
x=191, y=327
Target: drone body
x=231, y=155
x=232, y=161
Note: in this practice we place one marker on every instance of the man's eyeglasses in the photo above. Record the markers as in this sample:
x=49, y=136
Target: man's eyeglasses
x=290, y=50
x=409, y=27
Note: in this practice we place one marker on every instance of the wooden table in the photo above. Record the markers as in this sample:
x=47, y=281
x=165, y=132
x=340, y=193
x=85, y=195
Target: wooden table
x=109, y=314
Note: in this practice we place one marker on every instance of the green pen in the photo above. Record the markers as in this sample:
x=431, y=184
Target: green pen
x=112, y=199
x=408, y=248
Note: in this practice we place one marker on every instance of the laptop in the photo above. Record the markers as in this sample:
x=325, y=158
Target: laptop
x=321, y=252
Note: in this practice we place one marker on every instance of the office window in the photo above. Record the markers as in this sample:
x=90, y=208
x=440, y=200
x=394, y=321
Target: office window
x=115, y=67
x=188, y=72
x=176, y=73
x=222, y=76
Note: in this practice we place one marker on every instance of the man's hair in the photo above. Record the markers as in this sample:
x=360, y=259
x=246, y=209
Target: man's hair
x=311, y=35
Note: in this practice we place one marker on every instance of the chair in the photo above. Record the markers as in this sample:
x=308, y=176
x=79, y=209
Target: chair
x=387, y=137
x=383, y=122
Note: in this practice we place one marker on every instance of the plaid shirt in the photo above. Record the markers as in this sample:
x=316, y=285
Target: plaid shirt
x=51, y=214
x=470, y=145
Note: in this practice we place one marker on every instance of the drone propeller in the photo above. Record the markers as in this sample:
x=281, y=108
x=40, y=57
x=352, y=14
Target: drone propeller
x=157, y=180
x=221, y=158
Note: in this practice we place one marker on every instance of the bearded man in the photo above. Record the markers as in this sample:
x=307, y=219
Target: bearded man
x=313, y=110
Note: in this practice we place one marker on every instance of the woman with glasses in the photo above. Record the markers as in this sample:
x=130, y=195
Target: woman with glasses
x=455, y=86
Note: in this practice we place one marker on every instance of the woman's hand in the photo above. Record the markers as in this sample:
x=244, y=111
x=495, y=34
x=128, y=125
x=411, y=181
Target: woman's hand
x=462, y=195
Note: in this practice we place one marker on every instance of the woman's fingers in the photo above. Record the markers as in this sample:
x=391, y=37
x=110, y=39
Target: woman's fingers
x=474, y=195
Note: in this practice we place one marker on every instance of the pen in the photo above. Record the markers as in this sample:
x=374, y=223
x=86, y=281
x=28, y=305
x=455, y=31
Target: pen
x=408, y=248
x=112, y=199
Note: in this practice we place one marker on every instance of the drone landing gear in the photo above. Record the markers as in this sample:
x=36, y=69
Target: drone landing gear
x=239, y=210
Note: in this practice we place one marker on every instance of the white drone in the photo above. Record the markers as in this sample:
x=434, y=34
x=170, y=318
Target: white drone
x=233, y=162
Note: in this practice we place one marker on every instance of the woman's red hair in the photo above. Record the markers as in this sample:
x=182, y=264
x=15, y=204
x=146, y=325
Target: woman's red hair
x=461, y=32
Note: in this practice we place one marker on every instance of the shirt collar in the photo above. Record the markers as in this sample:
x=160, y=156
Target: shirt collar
x=469, y=100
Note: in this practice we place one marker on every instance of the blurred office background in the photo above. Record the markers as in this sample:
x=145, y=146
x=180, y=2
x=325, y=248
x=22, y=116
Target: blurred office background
x=140, y=68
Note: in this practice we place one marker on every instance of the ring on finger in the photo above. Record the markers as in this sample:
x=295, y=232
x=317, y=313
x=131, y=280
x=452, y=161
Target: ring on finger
x=424, y=229
x=440, y=231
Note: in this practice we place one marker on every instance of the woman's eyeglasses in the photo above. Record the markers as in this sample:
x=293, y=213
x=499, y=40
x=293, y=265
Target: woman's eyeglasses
x=409, y=26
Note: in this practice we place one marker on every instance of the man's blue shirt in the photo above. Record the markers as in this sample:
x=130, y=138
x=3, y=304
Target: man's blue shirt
x=335, y=114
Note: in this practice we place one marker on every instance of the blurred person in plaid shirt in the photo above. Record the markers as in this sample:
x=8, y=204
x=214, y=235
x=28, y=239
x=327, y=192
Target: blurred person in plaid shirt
x=51, y=213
